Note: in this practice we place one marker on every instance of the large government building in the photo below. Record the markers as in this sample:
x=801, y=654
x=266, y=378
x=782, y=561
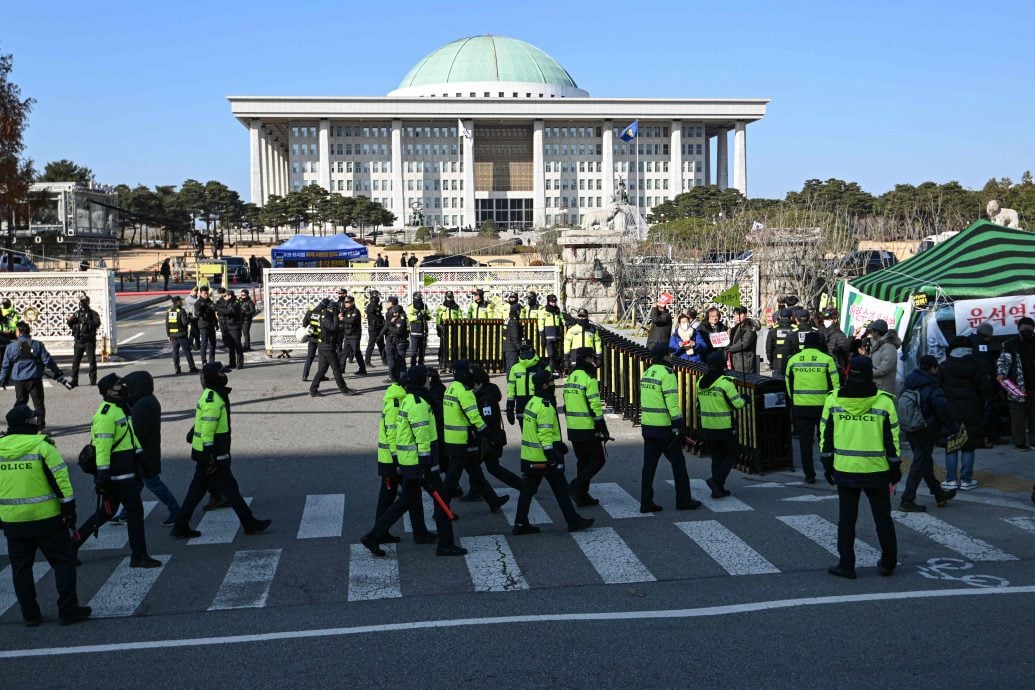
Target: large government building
x=493, y=127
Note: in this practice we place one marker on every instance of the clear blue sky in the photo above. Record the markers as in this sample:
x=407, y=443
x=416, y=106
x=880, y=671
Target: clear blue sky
x=877, y=92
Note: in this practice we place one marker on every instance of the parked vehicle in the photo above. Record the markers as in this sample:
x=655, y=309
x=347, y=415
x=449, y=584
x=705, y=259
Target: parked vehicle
x=18, y=263
x=859, y=263
x=236, y=266
x=932, y=240
x=442, y=260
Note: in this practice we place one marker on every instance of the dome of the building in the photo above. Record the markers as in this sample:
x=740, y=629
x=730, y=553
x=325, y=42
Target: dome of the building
x=492, y=63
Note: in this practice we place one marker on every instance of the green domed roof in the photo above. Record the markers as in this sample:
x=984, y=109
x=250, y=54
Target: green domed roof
x=487, y=59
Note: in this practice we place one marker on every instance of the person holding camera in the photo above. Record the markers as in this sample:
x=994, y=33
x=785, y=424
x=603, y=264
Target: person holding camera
x=84, y=324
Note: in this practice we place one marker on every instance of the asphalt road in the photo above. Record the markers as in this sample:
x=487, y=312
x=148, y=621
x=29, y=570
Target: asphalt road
x=733, y=594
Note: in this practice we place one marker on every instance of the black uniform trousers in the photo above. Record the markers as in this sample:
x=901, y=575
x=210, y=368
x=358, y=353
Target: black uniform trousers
x=848, y=512
x=207, y=335
x=589, y=456
x=653, y=449
x=246, y=333
x=388, y=494
x=724, y=452
x=232, y=340
x=224, y=335
x=350, y=348
x=374, y=338
x=396, y=353
x=194, y=333
x=221, y=483
x=53, y=541
x=806, y=428
x=409, y=497
x=84, y=347
x=496, y=469
x=470, y=462
x=125, y=493
x=310, y=355
x=553, y=354
x=418, y=343
x=558, y=484
x=328, y=359
x=182, y=343
x=32, y=388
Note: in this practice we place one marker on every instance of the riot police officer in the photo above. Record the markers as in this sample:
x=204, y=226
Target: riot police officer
x=326, y=337
x=177, y=327
x=205, y=313
x=587, y=429
x=418, y=317
x=776, y=342
x=532, y=306
x=375, y=322
x=582, y=334
x=350, y=322
x=84, y=324
x=247, y=315
x=519, y=380
x=448, y=347
x=810, y=376
x=551, y=331
x=396, y=333
x=230, y=322
x=512, y=334
x=311, y=322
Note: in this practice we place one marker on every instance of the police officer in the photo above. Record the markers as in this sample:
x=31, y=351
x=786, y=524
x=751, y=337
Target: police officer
x=396, y=333
x=860, y=454
x=532, y=306
x=839, y=345
x=777, y=340
x=84, y=323
x=375, y=322
x=230, y=323
x=118, y=475
x=519, y=380
x=247, y=315
x=37, y=509
x=810, y=376
x=311, y=321
x=542, y=457
x=416, y=443
x=480, y=308
x=351, y=323
x=326, y=337
x=24, y=360
x=587, y=430
x=512, y=334
x=492, y=442
x=717, y=398
x=9, y=319
x=210, y=450
x=582, y=334
x=464, y=428
x=661, y=423
x=448, y=348
x=176, y=328
x=551, y=331
x=205, y=313
x=803, y=325
x=418, y=318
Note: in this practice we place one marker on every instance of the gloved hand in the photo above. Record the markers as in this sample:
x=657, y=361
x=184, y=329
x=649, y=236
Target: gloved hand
x=601, y=428
x=68, y=514
x=511, y=417
x=102, y=478
x=896, y=472
x=677, y=429
x=560, y=448
x=828, y=474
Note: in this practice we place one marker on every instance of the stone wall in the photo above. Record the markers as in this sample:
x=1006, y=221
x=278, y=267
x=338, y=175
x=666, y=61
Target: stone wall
x=579, y=249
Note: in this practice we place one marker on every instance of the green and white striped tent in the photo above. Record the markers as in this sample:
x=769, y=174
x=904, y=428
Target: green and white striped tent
x=985, y=260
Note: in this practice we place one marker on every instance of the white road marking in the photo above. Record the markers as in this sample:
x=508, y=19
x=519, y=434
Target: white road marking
x=114, y=536
x=726, y=548
x=323, y=516
x=536, y=514
x=218, y=526
x=124, y=591
x=428, y=504
x=730, y=504
x=248, y=580
x=824, y=533
x=371, y=577
x=131, y=338
x=411, y=626
x=811, y=498
x=492, y=564
x=950, y=537
x=1025, y=523
x=611, y=557
x=618, y=503
x=7, y=596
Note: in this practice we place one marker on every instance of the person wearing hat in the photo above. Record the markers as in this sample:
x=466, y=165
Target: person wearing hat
x=24, y=362
x=551, y=331
x=37, y=510
x=717, y=400
x=84, y=323
x=210, y=450
x=193, y=335
x=1017, y=363
x=350, y=321
x=776, y=343
x=582, y=334
x=449, y=311
x=480, y=308
x=177, y=327
x=311, y=322
x=417, y=318
x=542, y=457
x=9, y=319
x=488, y=396
x=230, y=324
x=923, y=393
x=659, y=322
x=375, y=322
x=859, y=436
x=117, y=479
x=519, y=380
x=326, y=352
x=662, y=426
x=396, y=333
x=532, y=306
x=587, y=430
x=839, y=345
x=513, y=333
x=986, y=354
x=743, y=343
x=205, y=313
x=247, y=315
x=969, y=392
x=884, y=345
x=811, y=376
x=802, y=320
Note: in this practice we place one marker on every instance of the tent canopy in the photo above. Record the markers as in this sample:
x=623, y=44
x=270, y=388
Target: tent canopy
x=985, y=260
x=310, y=248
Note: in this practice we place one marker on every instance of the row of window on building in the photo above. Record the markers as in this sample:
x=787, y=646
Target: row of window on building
x=341, y=131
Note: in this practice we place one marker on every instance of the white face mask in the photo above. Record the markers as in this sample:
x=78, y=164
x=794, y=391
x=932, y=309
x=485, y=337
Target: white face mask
x=827, y=323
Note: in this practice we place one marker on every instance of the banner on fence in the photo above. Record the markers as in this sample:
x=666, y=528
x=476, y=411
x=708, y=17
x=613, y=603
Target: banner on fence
x=858, y=310
x=1001, y=312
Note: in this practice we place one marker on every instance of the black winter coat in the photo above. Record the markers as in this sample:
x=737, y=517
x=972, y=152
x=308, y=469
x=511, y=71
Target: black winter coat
x=512, y=332
x=147, y=420
x=660, y=327
x=933, y=405
x=351, y=322
x=968, y=388
x=489, y=397
x=743, y=346
x=839, y=346
x=205, y=312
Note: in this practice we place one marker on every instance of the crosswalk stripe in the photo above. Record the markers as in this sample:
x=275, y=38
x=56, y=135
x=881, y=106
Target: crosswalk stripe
x=618, y=503
x=726, y=548
x=824, y=533
x=536, y=514
x=7, y=596
x=114, y=536
x=951, y=537
x=371, y=577
x=124, y=591
x=730, y=504
x=248, y=580
x=611, y=557
x=323, y=516
x=492, y=564
x=1025, y=523
x=218, y=526
x=429, y=511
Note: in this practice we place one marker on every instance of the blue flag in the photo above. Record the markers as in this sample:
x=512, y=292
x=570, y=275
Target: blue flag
x=630, y=132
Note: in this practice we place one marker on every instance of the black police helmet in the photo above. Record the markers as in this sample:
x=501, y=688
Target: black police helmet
x=583, y=353
x=22, y=416
x=416, y=376
x=526, y=351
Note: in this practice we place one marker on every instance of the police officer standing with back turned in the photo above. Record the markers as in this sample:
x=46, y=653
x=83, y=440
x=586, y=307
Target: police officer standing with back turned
x=327, y=317
x=810, y=376
x=84, y=324
x=205, y=313
x=351, y=323
x=176, y=328
x=777, y=341
x=587, y=430
x=717, y=400
x=37, y=509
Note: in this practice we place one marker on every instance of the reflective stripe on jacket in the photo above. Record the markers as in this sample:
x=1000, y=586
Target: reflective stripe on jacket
x=111, y=433
x=415, y=431
x=386, y=430
x=582, y=408
x=26, y=492
x=717, y=402
x=459, y=414
x=659, y=398
x=540, y=429
x=810, y=376
x=860, y=433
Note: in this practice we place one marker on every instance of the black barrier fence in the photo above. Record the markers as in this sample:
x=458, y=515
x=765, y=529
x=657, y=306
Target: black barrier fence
x=481, y=341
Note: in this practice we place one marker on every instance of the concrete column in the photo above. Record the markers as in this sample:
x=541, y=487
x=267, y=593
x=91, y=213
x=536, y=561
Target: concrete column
x=324, y=164
x=707, y=158
x=278, y=169
x=287, y=169
x=538, y=176
x=740, y=161
x=675, y=165
x=255, y=158
x=722, y=159
x=607, y=150
x=398, y=180
x=267, y=166
x=468, y=176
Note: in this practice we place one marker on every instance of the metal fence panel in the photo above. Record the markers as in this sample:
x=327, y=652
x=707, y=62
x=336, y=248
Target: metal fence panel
x=55, y=295
x=691, y=285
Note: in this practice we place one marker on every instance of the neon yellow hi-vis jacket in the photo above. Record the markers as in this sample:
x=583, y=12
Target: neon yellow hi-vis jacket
x=386, y=430
x=459, y=414
x=211, y=427
x=540, y=429
x=27, y=494
x=111, y=433
x=415, y=433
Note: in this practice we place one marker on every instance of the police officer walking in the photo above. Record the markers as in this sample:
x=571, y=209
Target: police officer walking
x=542, y=457
x=582, y=334
x=661, y=423
x=519, y=381
x=351, y=323
x=37, y=510
x=24, y=360
x=396, y=333
x=860, y=454
x=205, y=313
x=810, y=376
x=84, y=324
x=551, y=331
x=375, y=322
x=326, y=336
x=587, y=430
x=717, y=399
x=176, y=328
x=210, y=450
x=311, y=321
x=488, y=396
x=230, y=322
x=247, y=315
x=418, y=317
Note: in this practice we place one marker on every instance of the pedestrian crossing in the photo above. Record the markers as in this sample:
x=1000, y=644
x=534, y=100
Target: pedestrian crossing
x=713, y=540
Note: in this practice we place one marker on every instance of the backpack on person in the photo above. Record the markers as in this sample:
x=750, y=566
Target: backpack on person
x=911, y=417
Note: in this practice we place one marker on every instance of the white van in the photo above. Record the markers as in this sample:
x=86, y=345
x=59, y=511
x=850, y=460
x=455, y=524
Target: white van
x=932, y=240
